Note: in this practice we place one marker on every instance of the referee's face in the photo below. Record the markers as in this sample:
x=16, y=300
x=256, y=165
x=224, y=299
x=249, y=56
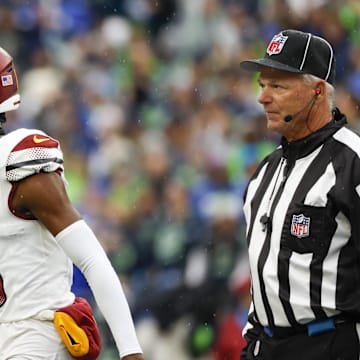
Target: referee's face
x=285, y=96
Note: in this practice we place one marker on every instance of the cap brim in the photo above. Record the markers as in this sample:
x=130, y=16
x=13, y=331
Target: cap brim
x=259, y=64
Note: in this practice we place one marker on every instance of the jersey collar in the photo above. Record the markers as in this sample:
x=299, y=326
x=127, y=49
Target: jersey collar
x=300, y=148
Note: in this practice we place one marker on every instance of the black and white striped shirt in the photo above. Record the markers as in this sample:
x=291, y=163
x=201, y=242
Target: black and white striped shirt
x=302, y=208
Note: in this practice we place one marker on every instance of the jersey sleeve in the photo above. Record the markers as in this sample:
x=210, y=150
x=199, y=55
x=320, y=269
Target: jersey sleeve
x=34, y=153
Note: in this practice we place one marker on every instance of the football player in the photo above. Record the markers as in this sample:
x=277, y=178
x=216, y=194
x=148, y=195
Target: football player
x=41, y=237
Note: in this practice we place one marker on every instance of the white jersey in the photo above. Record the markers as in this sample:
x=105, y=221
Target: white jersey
x=35, y=273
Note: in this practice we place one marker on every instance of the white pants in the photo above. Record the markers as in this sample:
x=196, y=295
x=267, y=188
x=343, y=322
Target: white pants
x=31, y=340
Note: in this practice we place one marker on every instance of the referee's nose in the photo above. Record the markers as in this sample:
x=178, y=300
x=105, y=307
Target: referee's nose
x=265, y=96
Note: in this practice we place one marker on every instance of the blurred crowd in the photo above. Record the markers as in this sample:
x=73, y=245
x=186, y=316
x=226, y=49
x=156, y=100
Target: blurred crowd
x=160, y=133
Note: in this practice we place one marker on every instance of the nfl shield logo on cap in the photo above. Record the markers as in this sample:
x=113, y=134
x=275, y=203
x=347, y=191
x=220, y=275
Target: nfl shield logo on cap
x=276, y=44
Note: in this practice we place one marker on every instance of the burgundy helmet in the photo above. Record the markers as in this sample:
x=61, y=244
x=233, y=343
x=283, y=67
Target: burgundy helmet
x=9, y=96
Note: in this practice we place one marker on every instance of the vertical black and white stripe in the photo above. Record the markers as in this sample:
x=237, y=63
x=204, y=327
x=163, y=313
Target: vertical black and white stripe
x=300, y=277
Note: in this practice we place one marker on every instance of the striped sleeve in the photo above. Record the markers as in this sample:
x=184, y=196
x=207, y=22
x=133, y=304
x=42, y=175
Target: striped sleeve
x=35, y=153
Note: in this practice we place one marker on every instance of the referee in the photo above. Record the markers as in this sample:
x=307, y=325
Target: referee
x=302, y=208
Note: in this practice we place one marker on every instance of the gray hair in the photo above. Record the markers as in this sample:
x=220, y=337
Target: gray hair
x=330, y=90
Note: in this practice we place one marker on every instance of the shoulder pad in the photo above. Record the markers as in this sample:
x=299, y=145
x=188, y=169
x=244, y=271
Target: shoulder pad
x=34, y=153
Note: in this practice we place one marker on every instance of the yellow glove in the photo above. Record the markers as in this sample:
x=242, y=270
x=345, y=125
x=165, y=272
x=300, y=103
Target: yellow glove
x=73, y=336
x=77, y=328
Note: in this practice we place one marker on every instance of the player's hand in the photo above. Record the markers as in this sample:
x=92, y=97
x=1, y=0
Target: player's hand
x=133, y=357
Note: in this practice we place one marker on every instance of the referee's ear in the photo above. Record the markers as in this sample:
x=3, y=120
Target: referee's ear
x=320, y=91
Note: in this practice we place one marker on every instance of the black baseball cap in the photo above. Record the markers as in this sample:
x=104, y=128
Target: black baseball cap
x=297, y=52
